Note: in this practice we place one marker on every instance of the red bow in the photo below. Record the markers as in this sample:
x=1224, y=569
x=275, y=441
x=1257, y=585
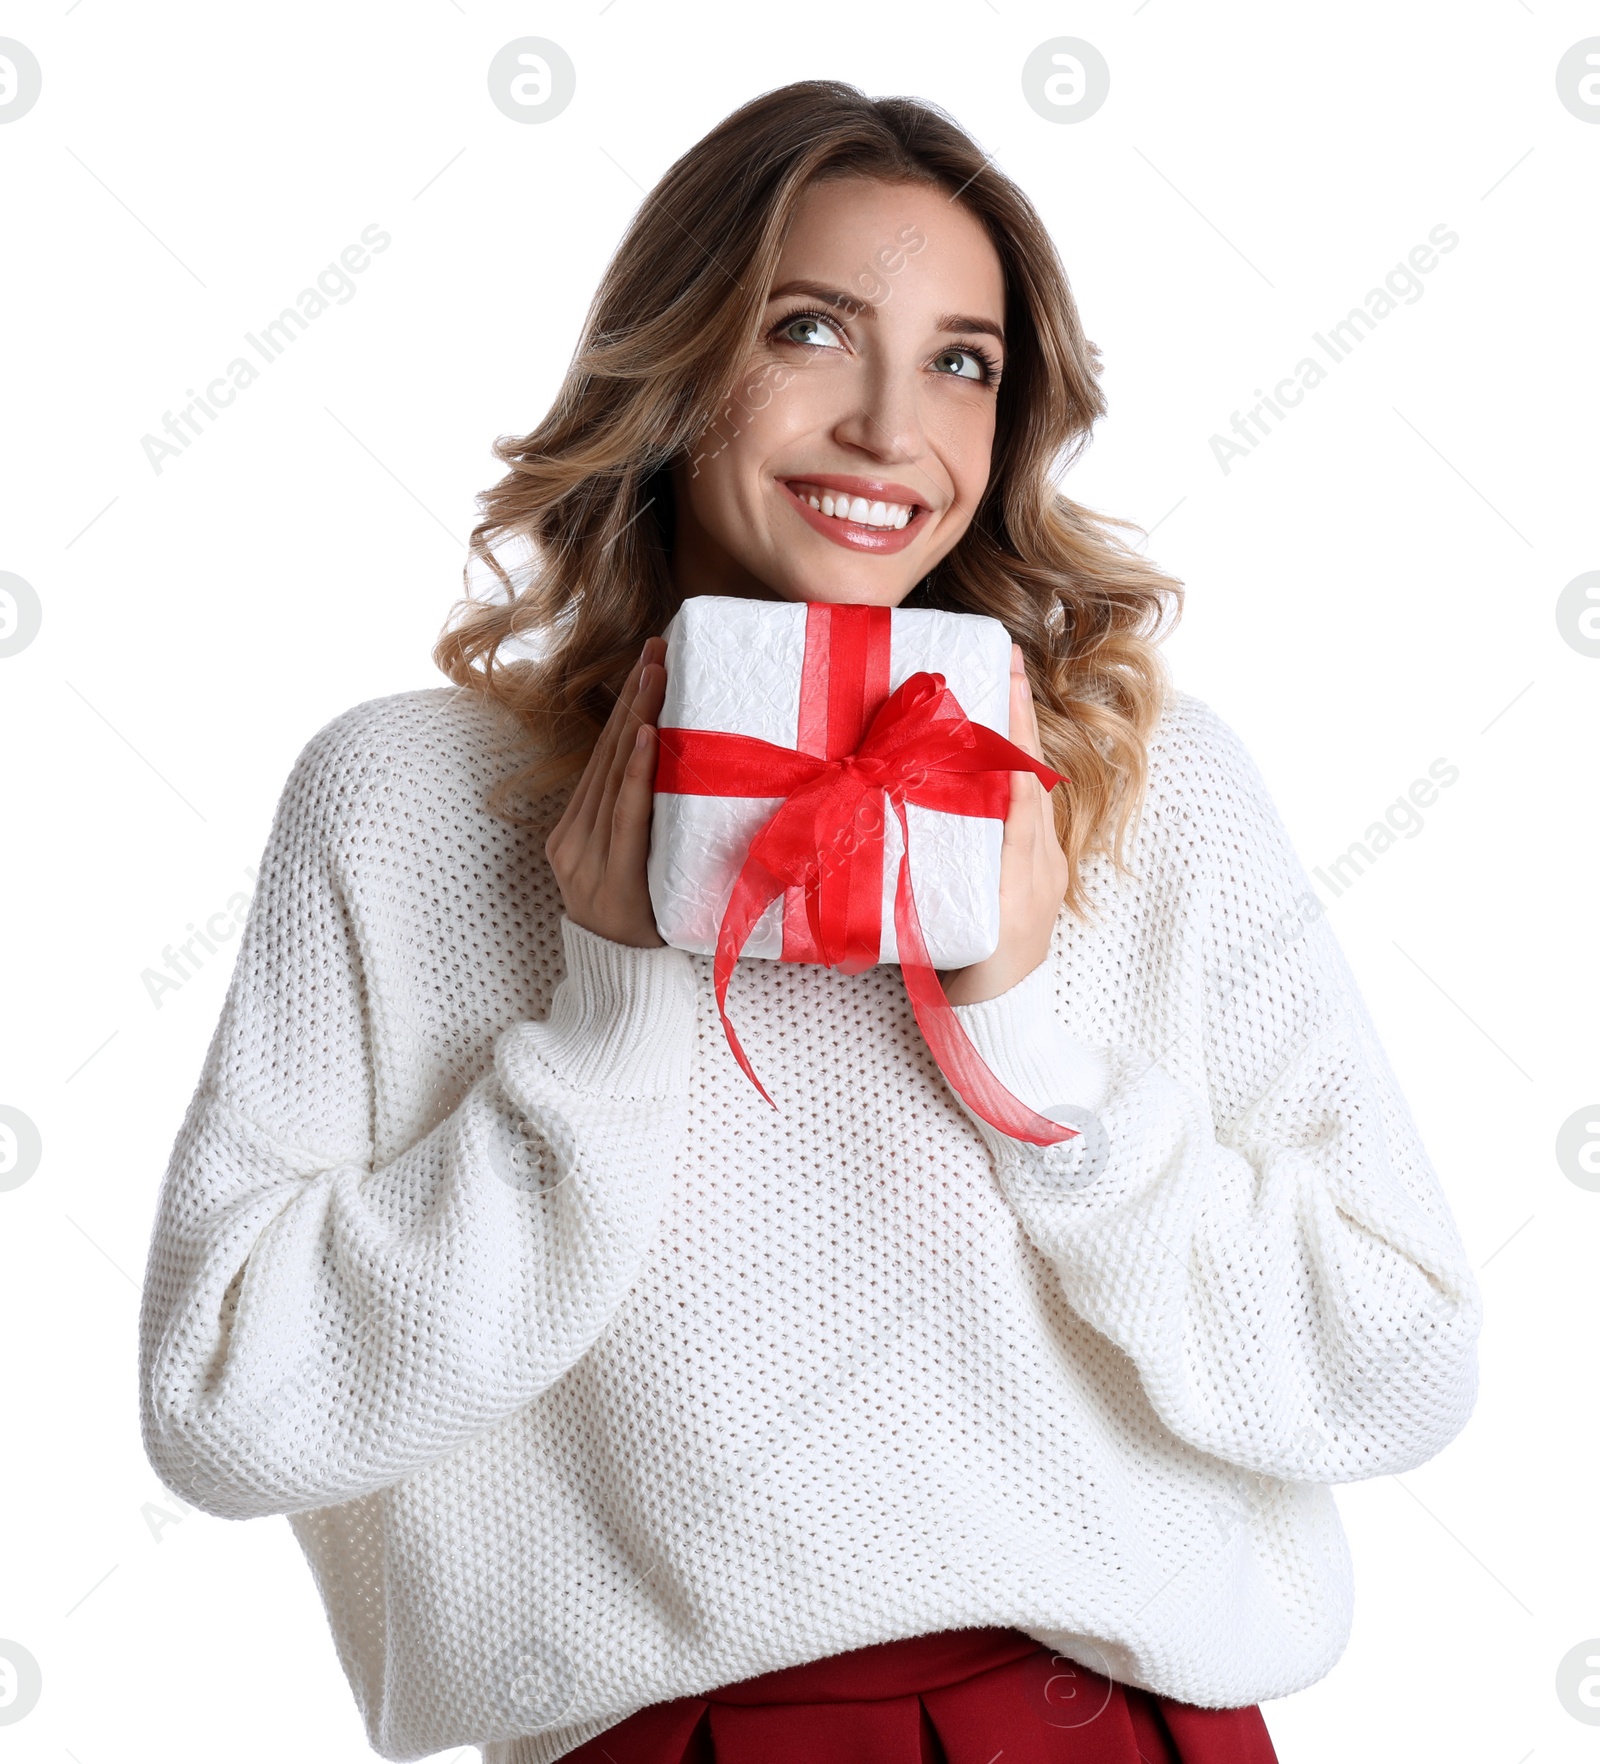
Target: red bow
x=826, y=840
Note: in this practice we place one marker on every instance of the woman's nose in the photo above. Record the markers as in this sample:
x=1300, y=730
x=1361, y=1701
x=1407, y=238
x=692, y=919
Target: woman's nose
x=883, y=416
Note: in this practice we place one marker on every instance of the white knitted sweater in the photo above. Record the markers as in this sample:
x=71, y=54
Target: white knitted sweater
x=587, y=1380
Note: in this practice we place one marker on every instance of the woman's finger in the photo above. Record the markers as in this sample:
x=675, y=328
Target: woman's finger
x=585, y=799
x=603, y=792
x=630, y=814
x=1022, y=822
x=1025, y=719
x=635, y=798
x=652, y=692
x=1027, y=725
x=1022, y=819
x=646, y=702
x=1026, y=790
x=611, y=734
x=580, y=810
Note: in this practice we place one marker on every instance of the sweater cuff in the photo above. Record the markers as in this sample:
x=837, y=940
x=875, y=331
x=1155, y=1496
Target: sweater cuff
x=622, y=1020
x=1027, y=1047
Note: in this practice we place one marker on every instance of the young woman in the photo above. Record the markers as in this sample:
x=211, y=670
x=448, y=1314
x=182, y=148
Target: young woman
x=623, y=1417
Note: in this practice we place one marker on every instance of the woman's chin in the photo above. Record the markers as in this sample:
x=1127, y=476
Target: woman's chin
x=843, y=589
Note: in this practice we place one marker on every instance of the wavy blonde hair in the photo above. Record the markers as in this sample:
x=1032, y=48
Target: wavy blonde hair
x=674, y=319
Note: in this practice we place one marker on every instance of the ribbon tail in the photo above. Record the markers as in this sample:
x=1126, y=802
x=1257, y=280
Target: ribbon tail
x=970, y=1077
x=754, y=890
x=992, y=752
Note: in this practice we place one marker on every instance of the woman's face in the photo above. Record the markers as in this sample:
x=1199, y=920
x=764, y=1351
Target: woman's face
x=869, y=394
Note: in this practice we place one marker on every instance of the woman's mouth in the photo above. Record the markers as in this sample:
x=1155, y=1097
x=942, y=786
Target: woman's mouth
x=857, y=522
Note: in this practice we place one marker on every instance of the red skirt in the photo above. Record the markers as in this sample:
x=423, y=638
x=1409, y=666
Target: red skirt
x=961, y=1696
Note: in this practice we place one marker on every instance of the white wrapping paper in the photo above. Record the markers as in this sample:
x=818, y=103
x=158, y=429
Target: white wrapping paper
x=734, y=666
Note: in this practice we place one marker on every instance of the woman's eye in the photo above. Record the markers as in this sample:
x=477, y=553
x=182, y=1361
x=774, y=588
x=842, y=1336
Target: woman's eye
x=813, y=329
x=808, y=321
x=964, y=354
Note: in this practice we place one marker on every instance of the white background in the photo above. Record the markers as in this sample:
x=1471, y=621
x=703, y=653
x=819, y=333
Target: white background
x=1373, y=588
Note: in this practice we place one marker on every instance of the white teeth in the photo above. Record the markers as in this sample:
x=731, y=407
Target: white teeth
x=867, y=514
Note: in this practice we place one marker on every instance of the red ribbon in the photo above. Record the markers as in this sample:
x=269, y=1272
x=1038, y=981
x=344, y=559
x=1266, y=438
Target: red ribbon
x=861, y=746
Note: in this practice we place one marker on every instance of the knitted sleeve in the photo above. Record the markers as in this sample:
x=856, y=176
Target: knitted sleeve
x=1248, y=1212
x=316, y=1325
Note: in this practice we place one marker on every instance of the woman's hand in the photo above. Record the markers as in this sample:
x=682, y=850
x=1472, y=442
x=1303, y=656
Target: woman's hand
x=598, y=847
x=1033, y=869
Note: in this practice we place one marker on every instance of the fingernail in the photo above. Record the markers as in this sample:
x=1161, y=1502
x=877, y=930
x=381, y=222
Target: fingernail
x=642, y=739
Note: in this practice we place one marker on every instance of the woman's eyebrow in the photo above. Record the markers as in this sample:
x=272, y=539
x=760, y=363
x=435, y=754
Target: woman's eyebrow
x=851, y=303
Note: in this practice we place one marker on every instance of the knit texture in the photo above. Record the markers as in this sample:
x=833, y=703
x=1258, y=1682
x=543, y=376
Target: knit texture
x=587, y=1380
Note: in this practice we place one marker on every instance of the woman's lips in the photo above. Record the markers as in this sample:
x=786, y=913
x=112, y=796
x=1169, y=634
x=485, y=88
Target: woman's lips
x=852, y=535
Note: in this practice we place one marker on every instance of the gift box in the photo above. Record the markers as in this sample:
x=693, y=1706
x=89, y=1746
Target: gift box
x=767, y=669
x=831, y=786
